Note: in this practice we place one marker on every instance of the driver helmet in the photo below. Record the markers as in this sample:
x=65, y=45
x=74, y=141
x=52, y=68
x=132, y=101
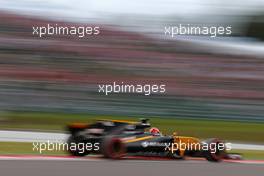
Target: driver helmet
x=154, y=131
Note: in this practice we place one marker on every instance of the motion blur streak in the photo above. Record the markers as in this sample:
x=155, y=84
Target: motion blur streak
x=204, y=78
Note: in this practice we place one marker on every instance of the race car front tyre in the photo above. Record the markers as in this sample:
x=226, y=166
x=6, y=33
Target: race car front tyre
x=215, y=150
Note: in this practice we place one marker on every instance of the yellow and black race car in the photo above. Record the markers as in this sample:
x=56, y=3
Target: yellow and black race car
x=117, y=138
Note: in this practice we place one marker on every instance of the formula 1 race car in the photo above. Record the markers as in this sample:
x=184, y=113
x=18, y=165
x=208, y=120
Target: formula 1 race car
x=117, y=138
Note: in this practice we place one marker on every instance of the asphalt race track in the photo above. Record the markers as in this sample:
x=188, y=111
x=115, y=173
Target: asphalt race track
x=63, y=166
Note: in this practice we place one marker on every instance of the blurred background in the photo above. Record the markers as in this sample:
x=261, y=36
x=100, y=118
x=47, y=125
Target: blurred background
x=48, y=82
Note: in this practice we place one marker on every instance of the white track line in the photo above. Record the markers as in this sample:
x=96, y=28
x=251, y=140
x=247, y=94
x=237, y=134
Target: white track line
x=28, y=136
x=247, y=146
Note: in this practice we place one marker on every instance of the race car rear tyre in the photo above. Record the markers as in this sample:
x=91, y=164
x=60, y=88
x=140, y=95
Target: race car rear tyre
x=74, y=146
x=215, y=152
x=113, y=147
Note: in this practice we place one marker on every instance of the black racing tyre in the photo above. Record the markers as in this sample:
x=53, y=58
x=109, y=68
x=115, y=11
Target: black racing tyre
x=176, y=155
x=74, y=143
x=113, y=148
x=215, y=153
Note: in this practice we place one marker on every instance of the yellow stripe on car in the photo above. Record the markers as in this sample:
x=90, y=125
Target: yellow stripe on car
x=138, y=139
x=119, y=121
